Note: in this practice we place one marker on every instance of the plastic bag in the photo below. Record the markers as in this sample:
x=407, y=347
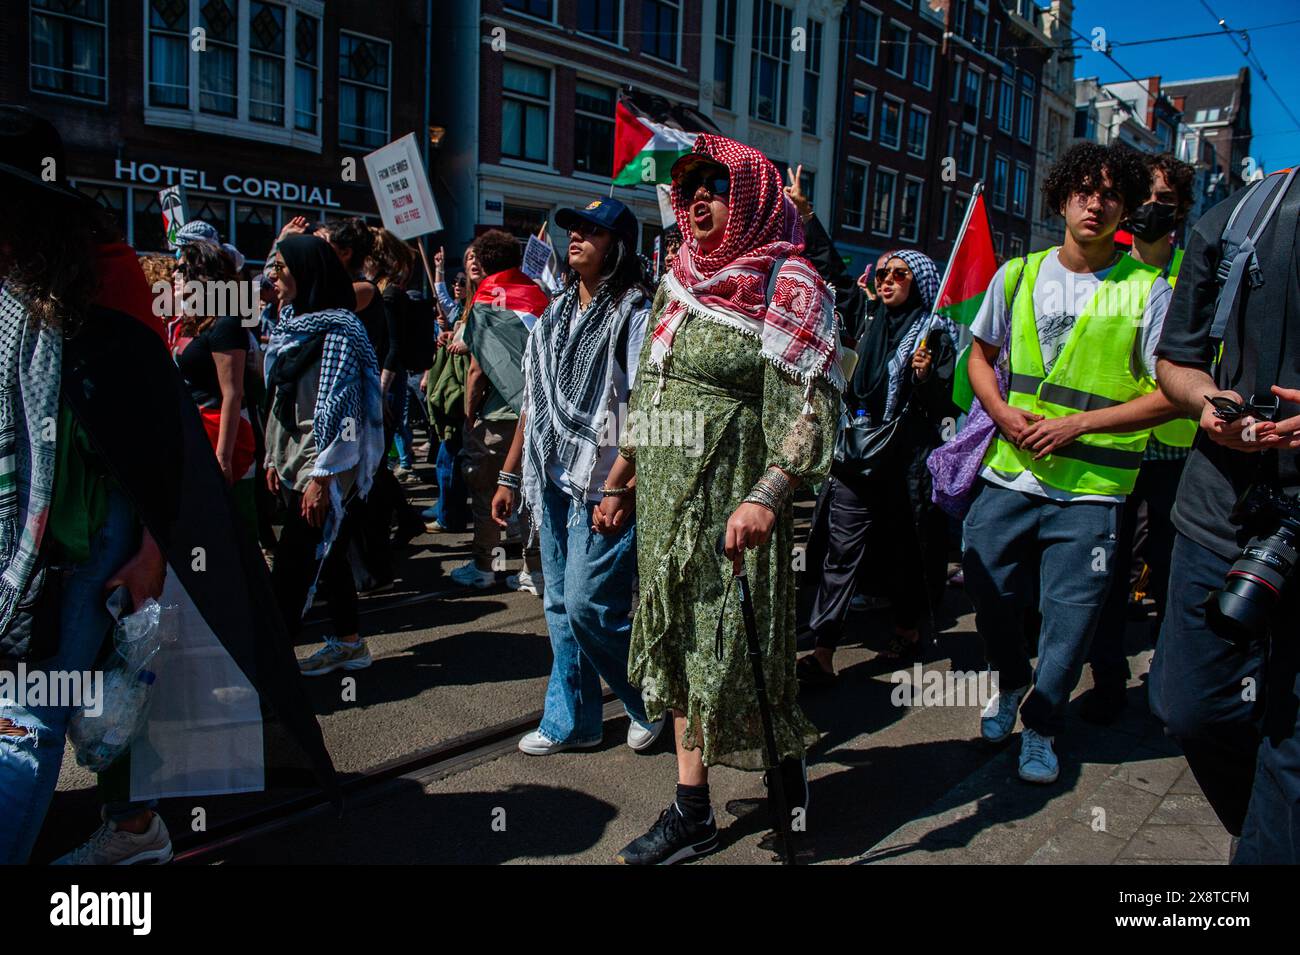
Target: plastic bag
x=101, y=737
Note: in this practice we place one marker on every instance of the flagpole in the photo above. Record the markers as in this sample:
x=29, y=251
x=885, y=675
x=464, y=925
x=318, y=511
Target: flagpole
x=952, y=256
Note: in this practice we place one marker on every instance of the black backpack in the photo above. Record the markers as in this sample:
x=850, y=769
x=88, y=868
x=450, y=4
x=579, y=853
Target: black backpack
x=417, y=345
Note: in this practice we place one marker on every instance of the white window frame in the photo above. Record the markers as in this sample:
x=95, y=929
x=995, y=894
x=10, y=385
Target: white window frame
x=920, y=202
x=31, y=53
x=677, y=50
x=388, y=93
x=579, y=111
x=880, y=134
x=934, y=61
x=907, y=60
x=783, y=104
x=874, y=59
x=241, y=126
x=549, y=161
x=946, y=200
x=618, y=41
x=1007, y=87
x=893, y=201
x=871, y=113
x=809, y=73
x=925, y=145
x=732, y=41
x=966, y=129
x=863, y=209
x=1023, y=211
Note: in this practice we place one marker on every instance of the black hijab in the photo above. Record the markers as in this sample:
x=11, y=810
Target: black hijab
x=886, y=330
x=322, y=282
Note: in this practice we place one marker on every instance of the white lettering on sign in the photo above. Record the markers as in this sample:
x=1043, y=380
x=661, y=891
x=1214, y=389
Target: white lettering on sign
x=234, y=184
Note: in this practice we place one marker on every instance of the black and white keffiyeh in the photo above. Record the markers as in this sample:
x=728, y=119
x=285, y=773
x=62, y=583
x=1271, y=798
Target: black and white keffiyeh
x=30, y=371
x=569, y=371
x=348, y=423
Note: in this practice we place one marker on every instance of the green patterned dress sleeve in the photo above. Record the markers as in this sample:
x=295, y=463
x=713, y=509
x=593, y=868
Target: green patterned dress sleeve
x=724, y=414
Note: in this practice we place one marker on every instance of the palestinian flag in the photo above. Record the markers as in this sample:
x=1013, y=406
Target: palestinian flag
x=496, y=330
x=649, y=135
x=966, y=279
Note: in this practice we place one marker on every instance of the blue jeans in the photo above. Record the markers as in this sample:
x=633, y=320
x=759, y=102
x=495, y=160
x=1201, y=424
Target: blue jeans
x=588, y=596
x=29, y=765
x=452, y=507
x=397, y=399
x=1017, y=543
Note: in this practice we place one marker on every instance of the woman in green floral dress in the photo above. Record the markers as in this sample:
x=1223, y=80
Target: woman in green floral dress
x=736, y=407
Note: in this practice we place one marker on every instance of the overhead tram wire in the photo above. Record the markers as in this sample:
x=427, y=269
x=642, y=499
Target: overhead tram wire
x=1251, y=57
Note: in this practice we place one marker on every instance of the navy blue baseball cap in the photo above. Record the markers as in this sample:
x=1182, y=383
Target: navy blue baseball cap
x=608, y=213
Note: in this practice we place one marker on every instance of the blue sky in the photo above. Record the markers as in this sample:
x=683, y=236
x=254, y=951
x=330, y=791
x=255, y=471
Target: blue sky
x=1276, y=142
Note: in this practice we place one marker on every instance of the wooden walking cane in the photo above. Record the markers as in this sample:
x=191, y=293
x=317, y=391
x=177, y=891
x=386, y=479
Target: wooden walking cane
x=775, y=781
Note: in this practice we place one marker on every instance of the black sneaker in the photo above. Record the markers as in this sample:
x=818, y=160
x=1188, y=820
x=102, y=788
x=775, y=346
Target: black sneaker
x=673, y=838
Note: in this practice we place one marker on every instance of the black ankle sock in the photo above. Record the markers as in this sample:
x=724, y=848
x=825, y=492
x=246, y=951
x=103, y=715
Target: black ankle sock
x=693, y=802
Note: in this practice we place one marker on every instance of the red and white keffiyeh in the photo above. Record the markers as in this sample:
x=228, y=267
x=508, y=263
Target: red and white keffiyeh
x=730, y=284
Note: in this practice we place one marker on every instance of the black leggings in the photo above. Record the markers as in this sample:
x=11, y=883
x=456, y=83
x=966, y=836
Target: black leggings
x=296, y=566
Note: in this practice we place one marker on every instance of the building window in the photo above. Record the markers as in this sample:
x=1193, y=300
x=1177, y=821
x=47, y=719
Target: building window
x=990, y=96
x=1016, y=248
x=593, y=129
x=659, y=28
x=1020, y=190
x=218, y=82
x=69, y=48
x=866, y=40
x=998, y=242
x=724, y=54
x=812, y=76
x=169, y=48
x=944, y=201
x=976, y=22
x=769, y=78
x=882, y=202
x=966, y=158
x=864, y=106
x=306, y=44
x=534, y=8
x=918, y=131
x=855, y=196
x=899, y=37
x=266, y=63
x=956, y=80
x=363, y=91
x=1026, y=129
x=599, y=18
x=971, y=94
x=909, y=214
x=1005, y=96
x=1000, y=167
x=526, y=112
x=923, y=65
x=891, y=121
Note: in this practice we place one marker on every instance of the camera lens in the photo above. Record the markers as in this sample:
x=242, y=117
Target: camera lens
x=1254, y=584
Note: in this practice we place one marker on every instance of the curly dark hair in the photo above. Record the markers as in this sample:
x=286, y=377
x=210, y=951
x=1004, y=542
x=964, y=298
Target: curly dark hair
x=1179, y=175
x=498, y=251
x=201, y=262
x=1081, y=170
x=54, y=266
x=352, y=234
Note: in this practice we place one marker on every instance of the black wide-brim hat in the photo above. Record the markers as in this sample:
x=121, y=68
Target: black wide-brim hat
x=31, y=155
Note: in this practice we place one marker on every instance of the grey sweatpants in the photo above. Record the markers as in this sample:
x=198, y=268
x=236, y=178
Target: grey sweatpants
x=1021, y=545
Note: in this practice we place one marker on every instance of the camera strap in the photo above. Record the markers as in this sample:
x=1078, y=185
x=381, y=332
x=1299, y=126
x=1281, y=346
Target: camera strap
x=1269, y=332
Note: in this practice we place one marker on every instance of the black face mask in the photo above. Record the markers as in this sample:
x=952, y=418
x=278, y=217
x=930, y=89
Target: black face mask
x=1153, y=220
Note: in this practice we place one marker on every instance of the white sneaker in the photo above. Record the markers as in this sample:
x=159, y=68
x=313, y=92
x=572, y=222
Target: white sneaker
x=113, y=846
x=643, y=737
x=999, y=717
x=468, y=575
x=526, y=582
x=535, y=744
x=1038, y=763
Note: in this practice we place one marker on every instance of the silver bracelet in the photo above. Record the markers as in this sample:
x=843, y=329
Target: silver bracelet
x=510, y=480
x=772, y=490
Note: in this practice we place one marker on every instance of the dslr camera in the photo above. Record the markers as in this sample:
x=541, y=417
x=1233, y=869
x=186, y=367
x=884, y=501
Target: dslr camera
x=1256, y=579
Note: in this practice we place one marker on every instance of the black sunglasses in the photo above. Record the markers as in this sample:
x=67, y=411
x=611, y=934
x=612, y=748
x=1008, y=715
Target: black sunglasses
x=715, y=184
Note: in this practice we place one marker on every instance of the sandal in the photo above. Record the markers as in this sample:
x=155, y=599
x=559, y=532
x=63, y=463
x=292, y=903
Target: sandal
x=811, y=673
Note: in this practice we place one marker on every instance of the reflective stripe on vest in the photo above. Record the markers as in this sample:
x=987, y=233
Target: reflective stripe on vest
x=1181, y=432
x=1092, y=372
